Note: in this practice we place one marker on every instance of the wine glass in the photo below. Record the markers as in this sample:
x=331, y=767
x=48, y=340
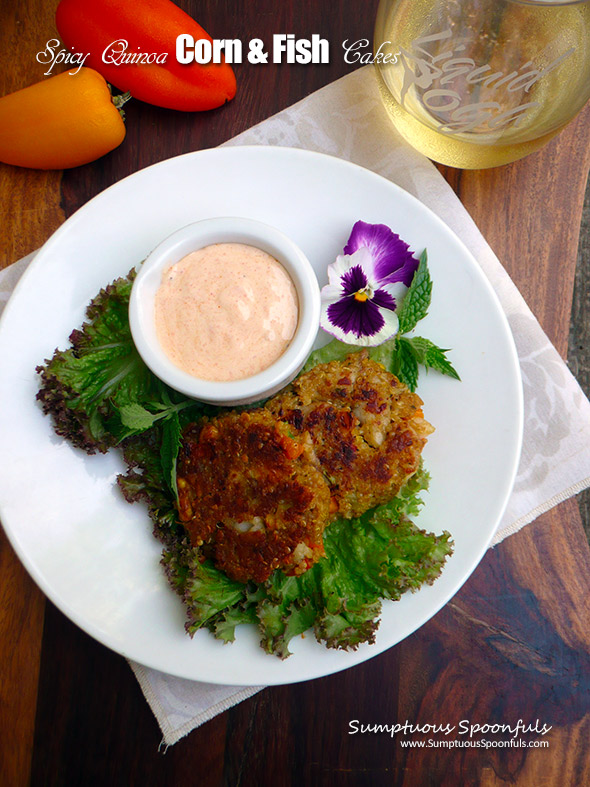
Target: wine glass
x=480, y=83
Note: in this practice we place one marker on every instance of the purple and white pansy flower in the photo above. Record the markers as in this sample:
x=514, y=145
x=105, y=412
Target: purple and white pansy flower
x=365, y=286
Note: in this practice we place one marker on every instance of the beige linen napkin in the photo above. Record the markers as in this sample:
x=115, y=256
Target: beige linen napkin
x=346, y=119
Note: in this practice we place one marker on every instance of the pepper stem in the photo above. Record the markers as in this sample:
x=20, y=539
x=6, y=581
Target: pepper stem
x=120, y=100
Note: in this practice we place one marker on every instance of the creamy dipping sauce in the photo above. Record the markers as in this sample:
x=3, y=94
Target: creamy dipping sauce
x=226, y=312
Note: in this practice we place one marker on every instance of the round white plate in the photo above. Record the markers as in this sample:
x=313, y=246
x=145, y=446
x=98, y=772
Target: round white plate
x=92, y=553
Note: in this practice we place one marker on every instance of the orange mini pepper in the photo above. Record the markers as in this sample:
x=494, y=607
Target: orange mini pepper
x=116, y=33
x=62, y=122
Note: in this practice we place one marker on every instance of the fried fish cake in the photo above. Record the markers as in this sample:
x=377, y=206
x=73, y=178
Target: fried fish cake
x=251, y=496
x=367, y=428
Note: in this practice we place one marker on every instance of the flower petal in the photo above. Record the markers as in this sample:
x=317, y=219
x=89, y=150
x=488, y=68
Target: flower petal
x=353, y=319
x=397, y=290
x=392, y=259
x=338, y=268
x=354, y=280
x=383, y=299
x=390, y=328
x=358, y=322
x=331, y=292
x=344, y=262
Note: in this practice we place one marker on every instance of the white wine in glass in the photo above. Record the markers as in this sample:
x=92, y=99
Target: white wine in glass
x=480, y=83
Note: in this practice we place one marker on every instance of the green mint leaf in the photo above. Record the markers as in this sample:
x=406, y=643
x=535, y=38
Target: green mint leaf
x=135, y=417
x=406, y=364
x=432, y=357
x=416, y=301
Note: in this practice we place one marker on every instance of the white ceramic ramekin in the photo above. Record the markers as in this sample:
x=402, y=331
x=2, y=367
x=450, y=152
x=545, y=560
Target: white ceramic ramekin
x=196, y=236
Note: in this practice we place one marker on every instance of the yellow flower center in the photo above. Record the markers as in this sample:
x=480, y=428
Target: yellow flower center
x=361, y=296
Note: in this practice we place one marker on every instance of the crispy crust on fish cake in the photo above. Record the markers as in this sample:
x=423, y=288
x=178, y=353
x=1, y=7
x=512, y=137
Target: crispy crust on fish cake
x=367, y=428
x=251, y=496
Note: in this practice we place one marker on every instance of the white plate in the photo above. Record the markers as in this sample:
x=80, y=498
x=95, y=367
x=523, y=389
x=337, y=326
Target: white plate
x=92, y=553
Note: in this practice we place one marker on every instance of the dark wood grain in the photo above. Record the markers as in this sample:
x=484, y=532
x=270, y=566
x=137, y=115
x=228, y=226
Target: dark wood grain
x=29, y=212
x=513, y=643
x=579, y=343
x=30, y=206
x=530, y=214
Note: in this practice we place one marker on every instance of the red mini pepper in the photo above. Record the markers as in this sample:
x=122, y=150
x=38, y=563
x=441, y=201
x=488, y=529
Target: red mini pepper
x=149, y=27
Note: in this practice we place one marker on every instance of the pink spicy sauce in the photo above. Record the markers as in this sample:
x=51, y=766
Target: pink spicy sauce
x=226, y=312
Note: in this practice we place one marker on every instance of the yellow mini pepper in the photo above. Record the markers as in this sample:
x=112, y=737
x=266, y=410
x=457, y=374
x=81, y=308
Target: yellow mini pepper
x=65, y=121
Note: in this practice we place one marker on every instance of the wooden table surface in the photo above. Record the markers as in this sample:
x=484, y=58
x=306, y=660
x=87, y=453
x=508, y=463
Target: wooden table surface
x=514, y=643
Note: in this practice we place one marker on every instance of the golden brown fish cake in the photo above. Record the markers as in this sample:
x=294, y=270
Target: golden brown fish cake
x=250, y=495
x=367, y=428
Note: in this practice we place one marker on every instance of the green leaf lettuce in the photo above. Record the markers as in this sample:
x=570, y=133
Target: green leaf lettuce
x=100, y=394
